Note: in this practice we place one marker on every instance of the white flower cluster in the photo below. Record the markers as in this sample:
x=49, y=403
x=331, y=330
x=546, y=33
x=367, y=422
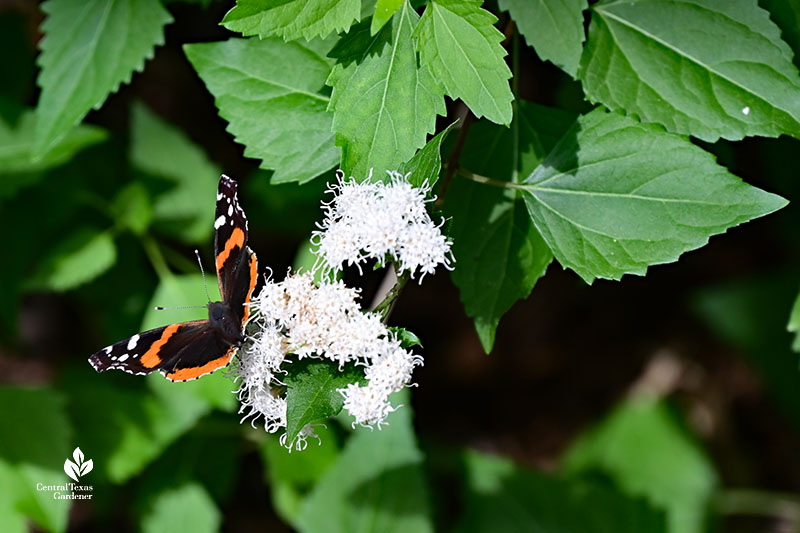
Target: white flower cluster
x=297, y=317
x=380, y=221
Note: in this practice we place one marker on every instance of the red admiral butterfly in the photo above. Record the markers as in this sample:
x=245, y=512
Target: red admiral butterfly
x=191, y=349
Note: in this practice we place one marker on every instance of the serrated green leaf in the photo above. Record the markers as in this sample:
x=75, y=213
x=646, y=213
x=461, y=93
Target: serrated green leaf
x=89, y=48
x=160, y=149
x=786, y=14
x=407, y=338
x=499, y=253
x=358, y=42
x=678, y=74
x=16, y=145
x=34, y=443
x=376, y=484
x=384, y=10
x=502, y=497
x=292, y=19
x=794, y=324
x=271, y=94
x=644, y=450
x=81, y=257
x=554, y=28
x=427, y=162
x=384, y=105
x=185, y=508
x=457, y=40
x=312, y=393
x=615, y=196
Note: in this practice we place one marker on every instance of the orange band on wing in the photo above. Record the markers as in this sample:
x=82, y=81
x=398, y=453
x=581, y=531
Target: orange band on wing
x=151, y=358
x=253, y=280
x=236, y=239
x=195, y=372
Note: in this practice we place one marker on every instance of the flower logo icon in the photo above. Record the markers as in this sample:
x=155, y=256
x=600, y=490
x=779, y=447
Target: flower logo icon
x=79, y=467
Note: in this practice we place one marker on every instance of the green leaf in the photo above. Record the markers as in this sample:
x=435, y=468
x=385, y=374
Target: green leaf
x=786, y=14
x=499, y=253
x=376, y=484
x=502, y=497
x=89, y=48
x=131, y=208
x=312, y=393
x=186, y=508
x=160, y=149
x=292, y=475
x=407, y=338
x=384, y=105
x=794, y=324
x=644, y=450
x=36, y=438
x=427, y=162
x=615, y=196
x=384, y=10
x=79, y=258
x=271, y=94
x=292, y=19
x=16, y=145
x=554, y=28
x=123, y=425
x=679, y=75
x=457, y=40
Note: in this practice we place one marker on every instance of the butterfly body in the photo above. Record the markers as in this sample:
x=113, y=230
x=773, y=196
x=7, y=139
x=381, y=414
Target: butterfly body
x=189, y=350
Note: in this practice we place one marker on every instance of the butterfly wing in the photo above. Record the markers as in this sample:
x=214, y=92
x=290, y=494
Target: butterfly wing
x=230, y=235
x=236, y=263
x=179, y=351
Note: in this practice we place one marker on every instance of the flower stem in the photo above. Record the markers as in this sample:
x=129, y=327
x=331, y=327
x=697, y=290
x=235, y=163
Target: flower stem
x=385, y=306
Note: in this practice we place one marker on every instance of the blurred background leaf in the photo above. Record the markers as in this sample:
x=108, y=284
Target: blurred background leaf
x=669, y=470
x=500, y=496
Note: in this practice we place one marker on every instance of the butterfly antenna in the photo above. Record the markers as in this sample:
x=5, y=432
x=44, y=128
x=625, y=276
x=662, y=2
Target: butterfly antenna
x=159, y=308
x=203, y=272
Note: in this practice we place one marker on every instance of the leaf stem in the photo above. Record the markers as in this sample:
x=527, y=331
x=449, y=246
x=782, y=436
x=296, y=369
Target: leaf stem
x=385, y=306
x=477, y=178
x=155, y=256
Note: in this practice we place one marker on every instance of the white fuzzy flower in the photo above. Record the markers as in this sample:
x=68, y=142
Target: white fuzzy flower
x=296, y=317
x=368, y=405
x=380, y=221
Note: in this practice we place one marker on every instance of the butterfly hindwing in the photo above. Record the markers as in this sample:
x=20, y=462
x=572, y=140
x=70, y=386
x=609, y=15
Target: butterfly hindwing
x=145, y=352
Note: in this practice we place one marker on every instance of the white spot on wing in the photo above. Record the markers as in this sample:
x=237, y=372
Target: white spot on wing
x=219, y=196
x=132, y=342
x=230, y=210
x=219, y=222
x=123, y=357
x=108, y=349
